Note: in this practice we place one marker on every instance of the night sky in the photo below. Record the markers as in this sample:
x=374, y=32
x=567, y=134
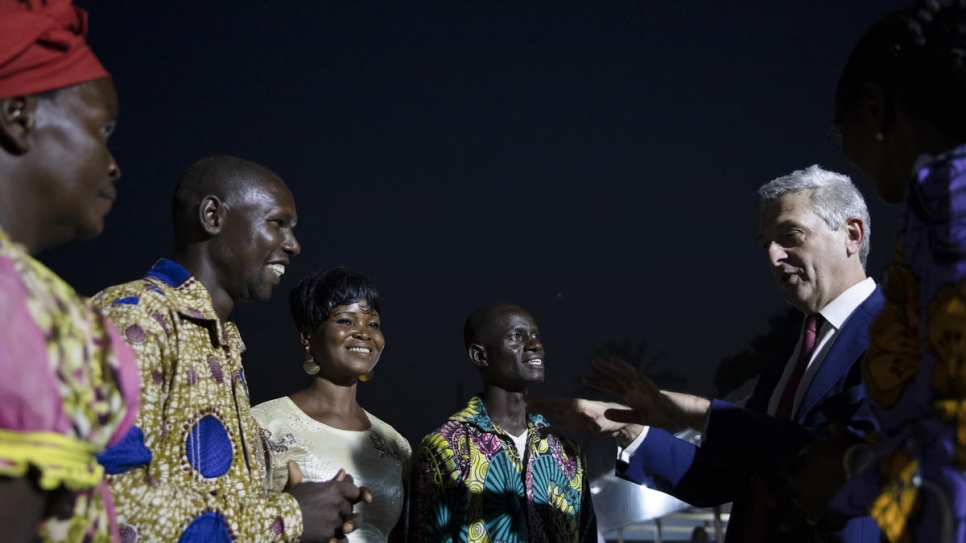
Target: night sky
x=595, y=163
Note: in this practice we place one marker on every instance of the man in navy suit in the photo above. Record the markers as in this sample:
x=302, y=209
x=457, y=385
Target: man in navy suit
x=815, y=230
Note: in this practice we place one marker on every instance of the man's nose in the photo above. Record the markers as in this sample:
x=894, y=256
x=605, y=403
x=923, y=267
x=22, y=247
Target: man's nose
x=776, y=254
x=291, y=245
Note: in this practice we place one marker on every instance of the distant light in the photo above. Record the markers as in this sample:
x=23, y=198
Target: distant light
x=595, y=489
x=560, y=295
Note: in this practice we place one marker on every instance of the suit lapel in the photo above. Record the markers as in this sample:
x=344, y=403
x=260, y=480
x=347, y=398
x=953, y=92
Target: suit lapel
x=848, y=347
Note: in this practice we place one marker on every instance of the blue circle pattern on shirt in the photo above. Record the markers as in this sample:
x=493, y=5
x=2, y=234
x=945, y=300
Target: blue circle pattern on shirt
x=503, y=493
x=208, y=527
x=208, y=447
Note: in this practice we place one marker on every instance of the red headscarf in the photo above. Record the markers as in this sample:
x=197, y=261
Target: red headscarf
x=42, y=47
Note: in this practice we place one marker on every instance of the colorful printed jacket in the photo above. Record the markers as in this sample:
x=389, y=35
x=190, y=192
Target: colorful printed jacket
x=469, y=485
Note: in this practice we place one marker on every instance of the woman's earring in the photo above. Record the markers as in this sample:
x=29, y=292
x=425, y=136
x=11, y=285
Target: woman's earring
x=309, y=366
x=367, y=376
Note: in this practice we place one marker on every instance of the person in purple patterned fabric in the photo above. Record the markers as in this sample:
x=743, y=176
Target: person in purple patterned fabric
x=901, y=119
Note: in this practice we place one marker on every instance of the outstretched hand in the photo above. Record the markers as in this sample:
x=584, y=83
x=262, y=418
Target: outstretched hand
x=580, y=416
x=327, y=514
x=648, y=405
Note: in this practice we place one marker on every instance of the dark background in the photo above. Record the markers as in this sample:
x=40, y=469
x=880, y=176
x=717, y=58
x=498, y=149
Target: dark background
x=595, y=162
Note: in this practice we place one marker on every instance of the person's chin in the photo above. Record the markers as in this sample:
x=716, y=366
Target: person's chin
x=890, y=186
x=91, y=228
x=797, y=302
x=535, y=377
x=261, y=294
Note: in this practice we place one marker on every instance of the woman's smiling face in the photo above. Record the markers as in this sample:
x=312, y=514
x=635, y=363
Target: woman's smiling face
x=348, y=344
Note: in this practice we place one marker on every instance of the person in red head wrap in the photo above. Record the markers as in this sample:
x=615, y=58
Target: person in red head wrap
x=70, y=383
x=42, y=47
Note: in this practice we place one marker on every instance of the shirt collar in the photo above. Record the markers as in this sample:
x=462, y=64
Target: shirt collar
x=169, y=272
x=194, y=302
x=475, y=413
x=838, y=310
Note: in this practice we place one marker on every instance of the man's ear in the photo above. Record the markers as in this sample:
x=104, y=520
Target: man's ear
x=478, y=355
x=212, y=213
x=17, y=120
x=854, y=235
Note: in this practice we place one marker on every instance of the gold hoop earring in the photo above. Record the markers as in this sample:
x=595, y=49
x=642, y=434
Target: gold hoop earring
x=309, y=366
x=366, y=377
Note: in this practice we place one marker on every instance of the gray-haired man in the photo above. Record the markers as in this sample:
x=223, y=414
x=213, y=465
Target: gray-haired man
x=815, y=230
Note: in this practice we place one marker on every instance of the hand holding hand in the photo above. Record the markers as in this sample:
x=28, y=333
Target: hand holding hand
x=649, y=405
x=327, y=507
x=294, y=475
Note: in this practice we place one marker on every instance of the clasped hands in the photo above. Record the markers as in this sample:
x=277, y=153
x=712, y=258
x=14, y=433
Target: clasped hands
x=327, y=514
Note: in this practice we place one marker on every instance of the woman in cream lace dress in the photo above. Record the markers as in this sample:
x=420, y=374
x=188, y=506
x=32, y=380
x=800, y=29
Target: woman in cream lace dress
x=322, y=427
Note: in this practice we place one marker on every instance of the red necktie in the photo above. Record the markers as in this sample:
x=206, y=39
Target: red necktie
x=787, y=400
x=757, y=510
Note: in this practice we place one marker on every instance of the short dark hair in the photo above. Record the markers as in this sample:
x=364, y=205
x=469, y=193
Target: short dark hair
x=314, y=298
x=223, y=176
x=918, y=55
x=480, y=318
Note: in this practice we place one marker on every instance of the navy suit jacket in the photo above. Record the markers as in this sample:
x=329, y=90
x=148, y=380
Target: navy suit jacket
x=743, y=444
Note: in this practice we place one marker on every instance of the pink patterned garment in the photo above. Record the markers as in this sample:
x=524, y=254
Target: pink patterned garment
x=69, y=389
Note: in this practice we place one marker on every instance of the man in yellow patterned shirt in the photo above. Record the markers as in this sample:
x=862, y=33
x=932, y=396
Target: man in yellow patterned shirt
x=191, y=470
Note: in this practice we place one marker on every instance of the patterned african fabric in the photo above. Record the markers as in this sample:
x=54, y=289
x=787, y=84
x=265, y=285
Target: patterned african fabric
x=469, y=484
x=912, y=479
x=377, y=458
x=190, y=468
x=69, y=388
